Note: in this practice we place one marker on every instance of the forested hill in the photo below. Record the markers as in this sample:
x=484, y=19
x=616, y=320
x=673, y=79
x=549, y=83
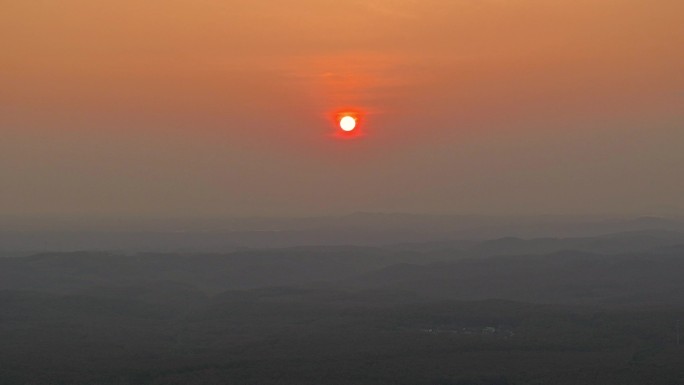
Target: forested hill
x=591, y=310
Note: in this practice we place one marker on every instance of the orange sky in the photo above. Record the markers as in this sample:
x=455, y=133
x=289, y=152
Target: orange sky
x=223, y=107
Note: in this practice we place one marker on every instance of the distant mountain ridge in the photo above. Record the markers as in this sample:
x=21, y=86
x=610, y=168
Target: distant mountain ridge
x=228, y=235
x=594, y=269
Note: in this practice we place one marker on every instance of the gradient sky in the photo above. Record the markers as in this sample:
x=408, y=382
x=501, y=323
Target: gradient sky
x=212, y=108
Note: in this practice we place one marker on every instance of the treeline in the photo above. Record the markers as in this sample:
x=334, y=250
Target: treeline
x=304, y=337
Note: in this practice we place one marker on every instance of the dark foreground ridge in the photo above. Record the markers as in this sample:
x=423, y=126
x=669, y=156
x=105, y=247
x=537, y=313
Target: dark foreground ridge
x=585, y=310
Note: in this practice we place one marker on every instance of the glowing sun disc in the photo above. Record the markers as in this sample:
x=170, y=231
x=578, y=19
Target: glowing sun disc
x=347, y=123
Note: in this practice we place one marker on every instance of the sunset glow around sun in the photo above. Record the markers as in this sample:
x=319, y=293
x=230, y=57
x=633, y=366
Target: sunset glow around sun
x=347, y=123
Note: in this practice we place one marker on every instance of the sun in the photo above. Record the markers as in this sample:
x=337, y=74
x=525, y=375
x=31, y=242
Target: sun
x=347, y=123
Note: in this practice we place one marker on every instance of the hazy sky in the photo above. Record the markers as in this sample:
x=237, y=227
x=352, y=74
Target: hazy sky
x=208, y=107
